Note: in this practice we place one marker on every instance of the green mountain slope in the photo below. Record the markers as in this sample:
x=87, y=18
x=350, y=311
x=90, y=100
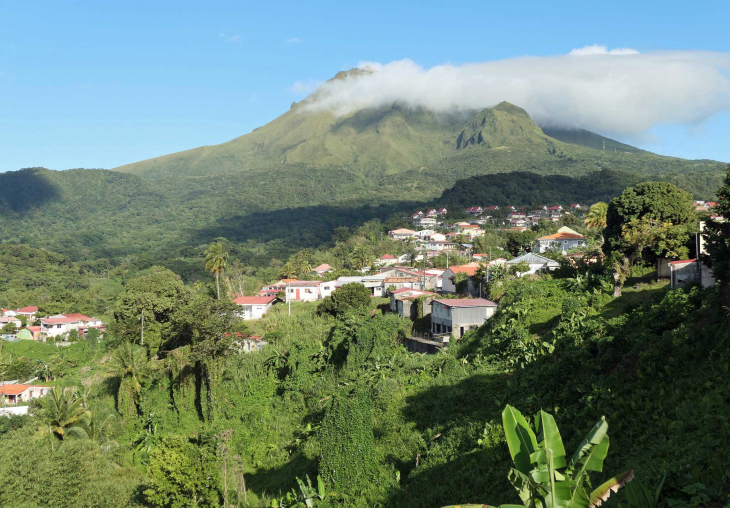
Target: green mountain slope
x=589, y=139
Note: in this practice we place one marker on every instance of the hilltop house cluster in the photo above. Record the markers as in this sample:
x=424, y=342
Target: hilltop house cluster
x=23, y=323
x=521, y=218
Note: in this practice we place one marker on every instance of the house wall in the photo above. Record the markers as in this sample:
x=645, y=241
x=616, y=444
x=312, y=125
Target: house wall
x=254, y=311
x=306, y=293
x=440, y=318
x=546, y=245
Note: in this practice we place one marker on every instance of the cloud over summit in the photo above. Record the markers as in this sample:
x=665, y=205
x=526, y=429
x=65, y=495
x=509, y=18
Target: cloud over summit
x=619, y=91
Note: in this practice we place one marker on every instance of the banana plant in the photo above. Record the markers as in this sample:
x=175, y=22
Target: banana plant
x=542, y=474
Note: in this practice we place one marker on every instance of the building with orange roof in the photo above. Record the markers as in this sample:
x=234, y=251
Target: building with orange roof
x=14, y=393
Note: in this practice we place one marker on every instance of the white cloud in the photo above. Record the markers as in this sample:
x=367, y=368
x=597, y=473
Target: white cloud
x=305, y=87
x=609, y=91
x=601, y=50
x=236, y=39
x=293, y=40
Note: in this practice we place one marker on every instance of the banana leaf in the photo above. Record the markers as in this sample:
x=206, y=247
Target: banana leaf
x=521, y=439
x=602, y=493
x=591, y=452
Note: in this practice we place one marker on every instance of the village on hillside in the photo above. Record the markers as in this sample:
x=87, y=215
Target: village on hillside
x=442, y=301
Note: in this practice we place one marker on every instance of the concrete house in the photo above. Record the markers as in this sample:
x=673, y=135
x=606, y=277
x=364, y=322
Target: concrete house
x=424, y=221
x=308, y=290
x=404, y=302
x=29, y=312
x=53, y=326
x=254, y=307
x=4, y=321
x=14, y=393
x=322, y=269
x=449, y=275
x=387, y=260
x=687, y=271
x=456, y=317
x=401, y=234
x=538, y=264
x=30, y=333
x=564, y=240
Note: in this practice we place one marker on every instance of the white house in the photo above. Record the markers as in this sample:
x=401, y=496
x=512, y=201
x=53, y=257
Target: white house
x=308, y=290
x=401, y=234
x=475, y=210
x=424, y=222
x=438, y=245
x=13, y=393
x=58, y=324
x=456, y=317
x=254, y=307
x=29, y=312
x=538, y=264
x=7, y=313
x=387, y=260
x=564, y=240
x=686, y=271
x=4, y=321
x=322, y=269
x=424, y=234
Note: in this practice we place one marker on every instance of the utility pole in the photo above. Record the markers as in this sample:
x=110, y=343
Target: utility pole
x=447, y=260
x=288, y=295
x=141, y=335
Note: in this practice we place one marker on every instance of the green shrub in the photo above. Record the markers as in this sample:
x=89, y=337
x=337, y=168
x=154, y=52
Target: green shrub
x=182, y=474
x=348, y=462
x=349, y=297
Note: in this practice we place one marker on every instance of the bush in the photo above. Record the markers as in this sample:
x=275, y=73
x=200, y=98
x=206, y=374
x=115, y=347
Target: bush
x=348, y=461
x=181, y=474
x=349, y=297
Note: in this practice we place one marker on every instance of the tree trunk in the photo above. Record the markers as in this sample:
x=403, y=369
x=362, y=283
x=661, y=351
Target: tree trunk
x=617, y=285
x=217, y=283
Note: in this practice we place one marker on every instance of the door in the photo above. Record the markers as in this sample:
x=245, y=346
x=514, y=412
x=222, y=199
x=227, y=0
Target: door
x=297, y=294
x=461, y=331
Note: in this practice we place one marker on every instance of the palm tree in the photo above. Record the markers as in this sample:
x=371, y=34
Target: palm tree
x=305, y=267
x=216, y=261
x=65, y=414
x=360, y=257
x=128, y=362
x=98, y=431
x=596, y=217
x=287, y=271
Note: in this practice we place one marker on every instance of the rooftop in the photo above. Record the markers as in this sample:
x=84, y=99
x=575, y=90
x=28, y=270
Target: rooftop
x=467, y=302
x=254, y=300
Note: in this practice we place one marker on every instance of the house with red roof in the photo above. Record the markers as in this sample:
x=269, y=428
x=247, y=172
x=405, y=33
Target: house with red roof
x=442, y=211
x=60, y=324
x=456, y=317
x=475, y=210
x=15, y=393
x=29, y=312
x=322, y=269
x=564, y=240
x=254, y=307
x=387, y=260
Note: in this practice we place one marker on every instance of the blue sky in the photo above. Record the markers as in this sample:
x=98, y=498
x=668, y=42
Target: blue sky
x=100, y=84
